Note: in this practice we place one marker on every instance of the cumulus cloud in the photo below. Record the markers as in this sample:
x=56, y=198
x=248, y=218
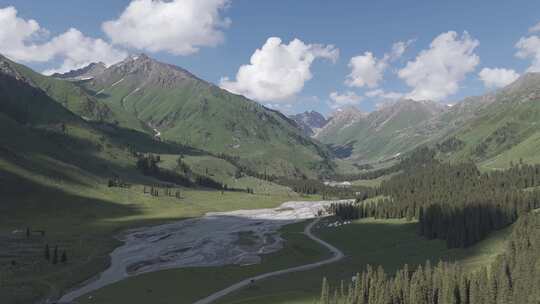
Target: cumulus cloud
x=25, y=40
x=497, y=77
x=17, y=35
x=278, y=71
x=77, y=51
x=436, y=72
x=179, y=27
x=398, y=49
x=368, y=71
x=348, y=98
x=535, y=28
x=378, y=93
x=529, y=47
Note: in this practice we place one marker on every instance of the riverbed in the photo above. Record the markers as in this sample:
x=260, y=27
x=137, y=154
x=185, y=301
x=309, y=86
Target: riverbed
x=220, y=238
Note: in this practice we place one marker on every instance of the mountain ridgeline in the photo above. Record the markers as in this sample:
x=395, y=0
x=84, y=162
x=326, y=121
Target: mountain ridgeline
x=491, y=129
x=379, y=135
x=153, y=97
x=309, y=122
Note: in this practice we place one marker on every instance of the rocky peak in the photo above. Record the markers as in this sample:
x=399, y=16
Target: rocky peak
x=7, y=68
x=340, y=119
x=347, y=113
x=146, y=69
x=309, y=121
x=88, y=72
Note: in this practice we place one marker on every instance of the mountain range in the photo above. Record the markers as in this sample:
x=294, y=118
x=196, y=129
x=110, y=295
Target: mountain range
x=153, y=97
x=309, y=122
x=490, y=129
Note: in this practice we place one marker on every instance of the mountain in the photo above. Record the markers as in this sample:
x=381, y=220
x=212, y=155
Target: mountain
x=85, y=73
x=339, y=120
x=67, y=94
x=151, y=95
x=382, y=134
x=309, y=121
x=499, y=127
x=24, y=102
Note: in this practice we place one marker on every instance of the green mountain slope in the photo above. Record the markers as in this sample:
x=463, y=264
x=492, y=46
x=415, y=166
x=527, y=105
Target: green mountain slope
x=383, y=134
x=67, y=94
x=504, y=129
x=185, y=109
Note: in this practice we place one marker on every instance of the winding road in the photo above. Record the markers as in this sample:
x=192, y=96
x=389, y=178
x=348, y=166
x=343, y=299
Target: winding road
x=336, y=256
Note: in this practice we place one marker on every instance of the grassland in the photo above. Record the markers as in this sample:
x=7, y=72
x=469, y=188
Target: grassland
x=389, y=243
x=81, y=215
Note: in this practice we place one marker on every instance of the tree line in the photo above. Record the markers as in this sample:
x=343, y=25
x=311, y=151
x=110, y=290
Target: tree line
x=183, y=175
x=453, y=202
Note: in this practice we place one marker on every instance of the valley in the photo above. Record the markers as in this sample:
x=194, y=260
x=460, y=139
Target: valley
x=139, y=182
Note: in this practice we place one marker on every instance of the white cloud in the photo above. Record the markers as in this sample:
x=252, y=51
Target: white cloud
x=529, y=47
x=398, y=49
x=535, y=28
x=179, y=27
x=78, y=50
x=17, y=35
x=24, y=40
x=278, y=71
x=436, y=72
x=384, y=95
x=497, y=78
x=340, y=100
x=368, y=71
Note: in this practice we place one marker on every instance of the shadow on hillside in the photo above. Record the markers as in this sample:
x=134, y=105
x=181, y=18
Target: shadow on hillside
x=23, y=199
x=65, y=158
x=343, y=151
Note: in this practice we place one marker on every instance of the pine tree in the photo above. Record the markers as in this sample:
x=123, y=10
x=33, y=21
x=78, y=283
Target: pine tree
x=47, y=253
x=55, y=255
x=325, y=292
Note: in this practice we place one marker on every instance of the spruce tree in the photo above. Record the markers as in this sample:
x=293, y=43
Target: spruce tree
x=55, y=255
x=47, y=253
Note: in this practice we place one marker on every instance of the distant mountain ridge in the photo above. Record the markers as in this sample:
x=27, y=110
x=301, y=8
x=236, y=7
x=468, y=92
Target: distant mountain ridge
x=309, y=121
x=85, y=73
x=146, y=95
x=491, y=129
x=380, y=134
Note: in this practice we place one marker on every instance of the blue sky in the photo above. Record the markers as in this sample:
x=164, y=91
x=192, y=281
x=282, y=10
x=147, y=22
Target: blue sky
x=352, y=27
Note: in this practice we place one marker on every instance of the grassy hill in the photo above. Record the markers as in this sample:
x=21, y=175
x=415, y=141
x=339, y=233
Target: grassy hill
x=504, y=129
x=188, y=110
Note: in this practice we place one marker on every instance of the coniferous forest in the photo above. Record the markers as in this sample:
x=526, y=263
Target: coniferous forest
x=452, y=202
x=513, y=278
x=459, y=204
